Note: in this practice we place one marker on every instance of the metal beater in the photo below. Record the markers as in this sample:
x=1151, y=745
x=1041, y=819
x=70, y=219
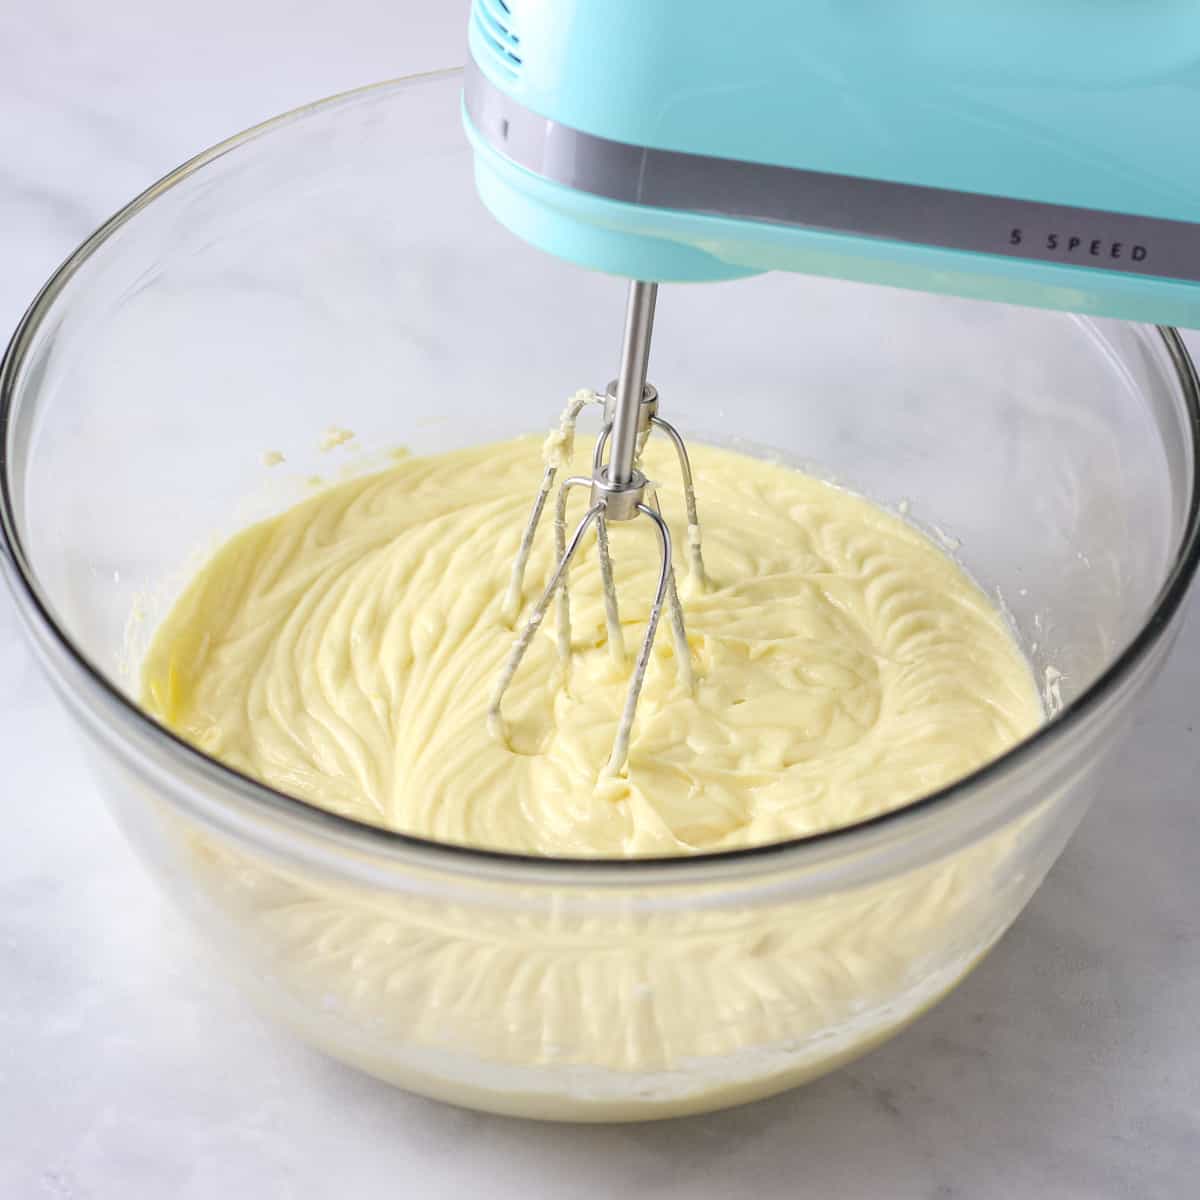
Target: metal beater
x=619, y=492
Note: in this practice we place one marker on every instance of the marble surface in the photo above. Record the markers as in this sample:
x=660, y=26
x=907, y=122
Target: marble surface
x=1068, y=1065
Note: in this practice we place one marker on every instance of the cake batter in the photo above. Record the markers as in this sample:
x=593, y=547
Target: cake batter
x=345, y=651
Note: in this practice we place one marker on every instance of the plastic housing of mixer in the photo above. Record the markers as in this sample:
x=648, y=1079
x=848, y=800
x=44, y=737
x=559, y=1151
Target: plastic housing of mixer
x=1033, y=152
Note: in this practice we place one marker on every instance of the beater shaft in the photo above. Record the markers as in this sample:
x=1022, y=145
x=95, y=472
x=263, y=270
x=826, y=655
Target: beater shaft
x=631, y=379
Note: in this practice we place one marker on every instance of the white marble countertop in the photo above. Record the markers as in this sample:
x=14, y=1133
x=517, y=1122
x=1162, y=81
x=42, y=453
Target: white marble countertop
x=1067, y=1066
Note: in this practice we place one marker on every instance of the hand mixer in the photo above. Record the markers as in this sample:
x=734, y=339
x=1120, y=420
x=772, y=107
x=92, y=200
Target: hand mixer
x=1031, y=152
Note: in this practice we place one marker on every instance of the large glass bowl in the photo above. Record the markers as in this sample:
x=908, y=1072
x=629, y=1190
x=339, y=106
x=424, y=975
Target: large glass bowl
x=335, y=267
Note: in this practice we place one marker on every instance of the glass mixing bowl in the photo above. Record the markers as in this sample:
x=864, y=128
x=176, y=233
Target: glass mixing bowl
x=335, y=267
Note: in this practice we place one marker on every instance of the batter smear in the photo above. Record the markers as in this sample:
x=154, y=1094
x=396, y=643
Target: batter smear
x=345, y=652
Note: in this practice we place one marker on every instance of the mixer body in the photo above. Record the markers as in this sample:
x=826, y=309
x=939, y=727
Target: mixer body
x=1037, y=153
x=1034, y=152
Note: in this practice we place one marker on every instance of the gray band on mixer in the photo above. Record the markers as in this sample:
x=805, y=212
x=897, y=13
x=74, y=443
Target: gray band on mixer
x=829, y=203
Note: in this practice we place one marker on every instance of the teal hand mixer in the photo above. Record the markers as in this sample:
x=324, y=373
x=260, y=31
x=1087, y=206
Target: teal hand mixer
x=1040, y=152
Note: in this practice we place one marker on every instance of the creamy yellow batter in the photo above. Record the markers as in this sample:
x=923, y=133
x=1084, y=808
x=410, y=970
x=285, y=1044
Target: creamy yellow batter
x=345, y=652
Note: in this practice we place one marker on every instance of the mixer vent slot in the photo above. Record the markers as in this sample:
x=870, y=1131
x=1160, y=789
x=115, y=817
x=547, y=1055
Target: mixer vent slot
x=494, y=21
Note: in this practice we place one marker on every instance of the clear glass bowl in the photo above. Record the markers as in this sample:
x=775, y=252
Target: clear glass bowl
x=335, y=267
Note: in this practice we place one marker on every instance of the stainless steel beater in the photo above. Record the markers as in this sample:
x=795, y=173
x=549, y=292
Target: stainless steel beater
x=619, y=492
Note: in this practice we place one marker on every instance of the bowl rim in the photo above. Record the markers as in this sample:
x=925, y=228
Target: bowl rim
x=268, y=801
